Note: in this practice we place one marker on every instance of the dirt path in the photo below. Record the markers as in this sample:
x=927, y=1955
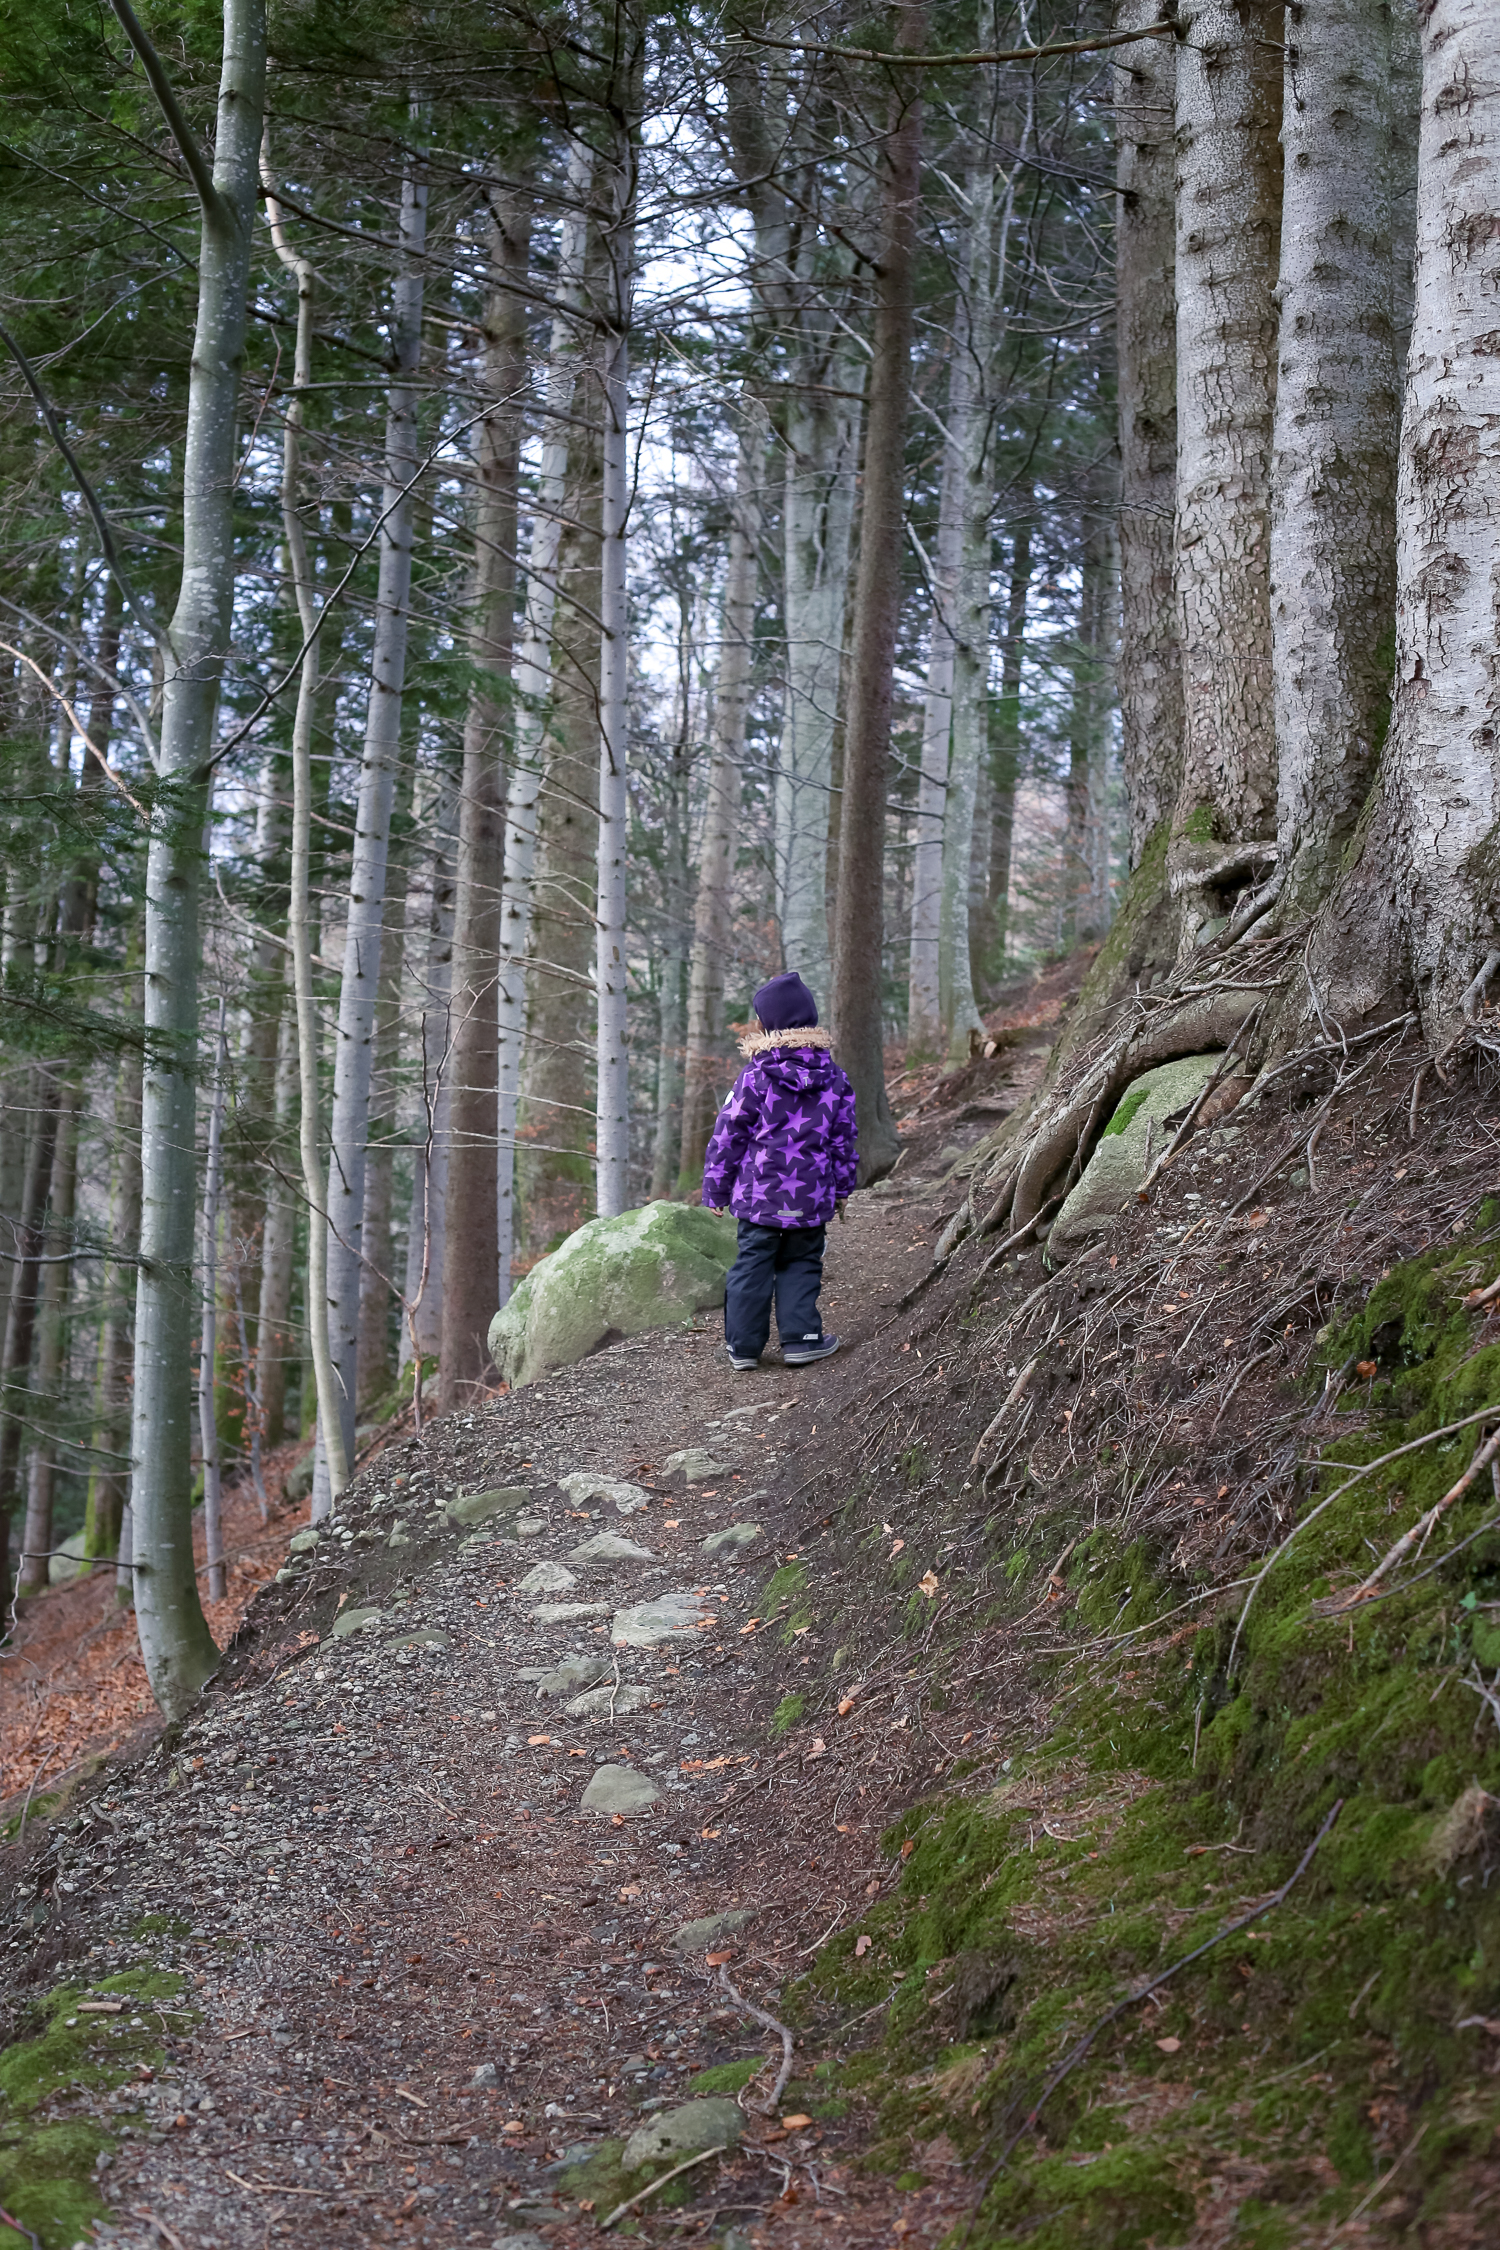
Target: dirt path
x=419, y=1971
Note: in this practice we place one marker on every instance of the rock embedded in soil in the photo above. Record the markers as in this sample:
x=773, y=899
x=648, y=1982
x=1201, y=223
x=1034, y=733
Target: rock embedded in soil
x=567, y=1613
x=421, y=1640
x=711, y=2122
x=581, y=1486
x=355, y=1621
x=481, y=1507
x=648, y=1268
x=598, y=1702
x=696, y=1937
x=608, y=1547
x=573, y=1673
x=734, y=1539
x=546, y=1578
x=617, y=1789
x=671, y=1617
x=696, y=1464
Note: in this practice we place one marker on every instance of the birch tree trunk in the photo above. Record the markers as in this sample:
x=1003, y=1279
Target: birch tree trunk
x=1405, y=121
x=471, y=1264
x=857, y=999
x=273, y=1340
x=109, y=1481
x=1005, y=748
x=926, y=1018
x=360, y=982
x=533, y=689
x=176, y=1644
x=612, y=1096
x=1228, y=169
x=1333, y=475
x=714, y=905
x=1150, y=678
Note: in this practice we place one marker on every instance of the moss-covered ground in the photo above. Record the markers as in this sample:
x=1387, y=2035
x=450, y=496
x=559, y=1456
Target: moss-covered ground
x=47, y=2157
x=1354, y=2026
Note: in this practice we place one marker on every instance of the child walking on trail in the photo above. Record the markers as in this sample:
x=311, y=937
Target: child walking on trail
x=782, y=1157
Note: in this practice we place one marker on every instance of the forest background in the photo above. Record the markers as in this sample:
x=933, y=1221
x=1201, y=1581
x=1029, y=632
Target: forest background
x=520, y=523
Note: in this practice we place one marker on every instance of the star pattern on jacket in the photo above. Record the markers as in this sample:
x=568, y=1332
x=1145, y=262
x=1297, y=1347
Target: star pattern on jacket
x=784, y=1148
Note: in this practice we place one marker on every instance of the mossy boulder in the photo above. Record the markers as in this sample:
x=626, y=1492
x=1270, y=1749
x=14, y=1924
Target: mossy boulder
x=615, y=1277
x=1132, y=1140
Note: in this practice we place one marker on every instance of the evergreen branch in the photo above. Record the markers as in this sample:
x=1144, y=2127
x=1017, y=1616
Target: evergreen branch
x=948, y=62
x=214, y=206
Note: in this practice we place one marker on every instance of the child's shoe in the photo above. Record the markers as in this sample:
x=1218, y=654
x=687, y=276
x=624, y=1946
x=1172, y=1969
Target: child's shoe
x=739, y=1362
x=809, y=1348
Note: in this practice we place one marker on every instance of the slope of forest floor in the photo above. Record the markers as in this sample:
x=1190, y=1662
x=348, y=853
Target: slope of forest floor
x=979, y=1743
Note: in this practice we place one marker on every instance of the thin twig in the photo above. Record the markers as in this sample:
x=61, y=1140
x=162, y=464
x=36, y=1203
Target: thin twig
x=644, y=2194
x=772, y=2023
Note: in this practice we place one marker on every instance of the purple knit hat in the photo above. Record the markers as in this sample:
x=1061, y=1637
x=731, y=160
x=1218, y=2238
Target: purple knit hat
x=785, y=1004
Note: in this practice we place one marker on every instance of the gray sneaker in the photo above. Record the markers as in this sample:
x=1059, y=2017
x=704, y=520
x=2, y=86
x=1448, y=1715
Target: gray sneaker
x=807, y=1349
x=738, y=1361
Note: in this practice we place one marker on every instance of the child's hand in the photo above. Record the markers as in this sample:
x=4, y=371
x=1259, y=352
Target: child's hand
x=840, y=1208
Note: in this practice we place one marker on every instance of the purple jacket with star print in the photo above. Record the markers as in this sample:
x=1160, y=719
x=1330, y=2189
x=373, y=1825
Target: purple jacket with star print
x=784, y=1148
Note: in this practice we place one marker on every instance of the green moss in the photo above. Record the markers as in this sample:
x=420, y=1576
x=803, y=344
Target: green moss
x=723, y=2078
x=1171, y=1794
x=1126, y=1111
x=787, y=1713
x=601, y=2179
x=784, y=1585
x=160, y=1925
x=47, y=2162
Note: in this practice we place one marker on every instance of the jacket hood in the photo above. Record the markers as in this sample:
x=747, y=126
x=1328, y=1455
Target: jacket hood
x=753, y=1043
x=799, y=1062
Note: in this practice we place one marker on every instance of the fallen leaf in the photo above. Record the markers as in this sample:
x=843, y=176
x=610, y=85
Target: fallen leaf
x=846, y=1706
x=513, y=2125
x=717, y=1960
x=750, y=1628
x=818, y=1748
x=1169, y=2046
x=616, y=1820
x=534, y=1739
x=862, y=1945
x=929, y=1584
x=668, y=1523
x=795, y=2124
x=908, y=1847
x=900, y=1543
x=1366, y=1369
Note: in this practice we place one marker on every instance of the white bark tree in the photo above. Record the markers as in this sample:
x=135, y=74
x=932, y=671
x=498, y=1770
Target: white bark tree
x=208, y=1328
x=176, y=1644
x=359, y=985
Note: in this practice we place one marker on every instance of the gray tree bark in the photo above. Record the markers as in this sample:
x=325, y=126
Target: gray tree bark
x=1333, y=469
x=51, y=1345
x=176, y=1644
x=359, y=985
x=208, y=1329
x=857, y=1009
x=1150, y=677
x=713, y=907
x=470, y=1278
x=427, y=1221
x=1228, y=228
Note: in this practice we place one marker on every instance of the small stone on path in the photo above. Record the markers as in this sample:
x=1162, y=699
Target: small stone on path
x=696, y=1937
x=608, y=1546
x=355, y=1621
x=616, y=1789
x=421, y=1640
x=598, y=1702
x=573, y=1673
x=582, y=1486
x=671, y=1617
x=696, y=1465
x=713, y=2122
x=566, y=1613
x=546, y=1578
x=479, y=1507
x=734, y=1539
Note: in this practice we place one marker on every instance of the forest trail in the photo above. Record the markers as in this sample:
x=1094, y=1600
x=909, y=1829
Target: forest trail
x=416, y=1972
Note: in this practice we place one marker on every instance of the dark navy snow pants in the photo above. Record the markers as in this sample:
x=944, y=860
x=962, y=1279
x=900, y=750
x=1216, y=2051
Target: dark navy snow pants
x=784, y=1263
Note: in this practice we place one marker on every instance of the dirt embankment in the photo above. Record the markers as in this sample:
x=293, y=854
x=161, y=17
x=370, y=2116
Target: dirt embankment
x=1100, y=1777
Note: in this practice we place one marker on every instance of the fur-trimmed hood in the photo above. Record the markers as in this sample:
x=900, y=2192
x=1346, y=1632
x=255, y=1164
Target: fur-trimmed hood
x=752, y=1043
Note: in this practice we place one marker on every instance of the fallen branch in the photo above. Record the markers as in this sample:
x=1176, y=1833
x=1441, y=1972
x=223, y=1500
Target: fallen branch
x=1015, y=1391
x=1081, y=2048
x=772, y=2024
x=1424, y=1526
x=1013, y=1241
x=1413, y=1445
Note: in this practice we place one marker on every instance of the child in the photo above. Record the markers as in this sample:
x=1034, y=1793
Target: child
x=782, y=1157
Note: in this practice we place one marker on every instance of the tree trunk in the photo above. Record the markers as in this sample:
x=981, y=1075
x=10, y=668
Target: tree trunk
x=534, y=669
x=713, y=908
x=1150, y=675
x=45, y=1398
x=1005, y=750
x=360, y=983
x=1333, y=471
x=208, y=1333
x=471, y=1265
x=927, y=1020
x=1228, y=228
x=612, y=1085
x=1405, y=121
x=273, y=1333
x=20, y=1316
x=1419, y=908
x=822, y=446
x=857, y=995
x=176, y=1644
x=427, y=1225
x=109, y=1482
x=1087, y=847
